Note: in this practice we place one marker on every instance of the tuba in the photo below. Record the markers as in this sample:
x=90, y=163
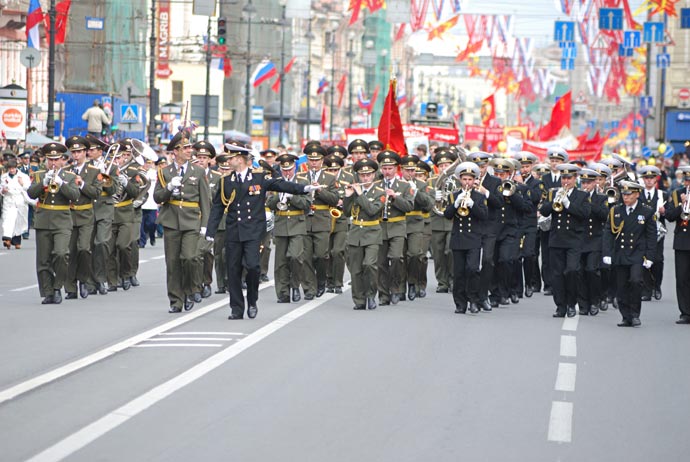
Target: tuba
x=446, y=184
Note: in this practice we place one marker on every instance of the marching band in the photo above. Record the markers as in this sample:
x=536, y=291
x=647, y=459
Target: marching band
x=598, y=229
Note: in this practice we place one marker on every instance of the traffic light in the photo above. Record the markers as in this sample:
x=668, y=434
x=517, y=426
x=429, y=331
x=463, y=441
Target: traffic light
x=221, y=30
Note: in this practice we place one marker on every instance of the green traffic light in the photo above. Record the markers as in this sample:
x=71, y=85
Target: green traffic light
x=221, y=40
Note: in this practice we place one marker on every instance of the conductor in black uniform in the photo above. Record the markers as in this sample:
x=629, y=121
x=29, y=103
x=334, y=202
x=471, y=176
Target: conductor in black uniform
x=678, y=210
x=242, y=195
x=629, y=246
x=570, y=209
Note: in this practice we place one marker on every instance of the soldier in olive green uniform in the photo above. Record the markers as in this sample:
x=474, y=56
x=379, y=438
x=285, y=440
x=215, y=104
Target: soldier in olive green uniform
x=289, y=233
x=183, y=192
x=224, y=168
x=414, y=243
x=316, y=240
x=363, y=203
x=359, y=150
x=338, y=237
x=54, y=189
x=137, y=173
x=440, y=227
x=104, y=212
x=204, y=153
x=423, y=172
x=399, y=201
x=89, y=184
x=269, y=155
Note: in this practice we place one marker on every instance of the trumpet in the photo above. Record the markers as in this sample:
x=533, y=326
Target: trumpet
x=558, y=199
x=508, y=188
x=53, y=187
x=282, y=204
x=685, y=213
x=464, y=208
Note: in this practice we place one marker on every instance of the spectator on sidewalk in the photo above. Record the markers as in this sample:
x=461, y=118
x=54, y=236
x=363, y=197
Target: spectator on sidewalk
x=96, y=119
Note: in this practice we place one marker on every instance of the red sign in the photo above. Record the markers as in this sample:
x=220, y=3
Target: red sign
x=491, y=135
x=588, y=155
x=12, y=118
x=162, y=45
x=440, y=134
x=684, y=94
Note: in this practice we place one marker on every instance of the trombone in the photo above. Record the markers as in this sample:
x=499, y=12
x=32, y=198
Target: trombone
x=108, y=161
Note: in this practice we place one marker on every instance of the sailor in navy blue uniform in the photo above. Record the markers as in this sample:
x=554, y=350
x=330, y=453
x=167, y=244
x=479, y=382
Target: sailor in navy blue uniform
x=678, y=211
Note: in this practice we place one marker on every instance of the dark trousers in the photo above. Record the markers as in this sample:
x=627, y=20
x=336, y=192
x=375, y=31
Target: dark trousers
x=466, y=277
x=148, y=227
x=486, y=274
x=505, y=254
x=682, y=278
x=545, y=259
x=564, y=265
x=52, y=259
x=241, y=255
x=629, y=282
x=589, y=281
x=654, y=276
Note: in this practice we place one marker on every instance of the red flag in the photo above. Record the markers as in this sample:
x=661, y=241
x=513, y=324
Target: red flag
x=373, y=100
x=276, y=85
x=227, y=66
x=341, y=89
x=488, y=111
x=61, y=14
x=390, y=131
x=401, y=32
x=355, y=6
x=438, y=31
x=560, y=117
x=323, y=121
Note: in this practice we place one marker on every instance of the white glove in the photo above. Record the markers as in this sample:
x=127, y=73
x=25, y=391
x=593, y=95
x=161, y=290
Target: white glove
x=566, y=202
x=58, y=181
x=287, y=196
x=413, y=186
x=202, y=231
x=209, y=238
x=438, y=195
x=606, y=260
x=175, y=182
x=469, y=202
x=458, y=201
x=47, y=177
x=123, y=179
x=647, y=264
x=311, y=188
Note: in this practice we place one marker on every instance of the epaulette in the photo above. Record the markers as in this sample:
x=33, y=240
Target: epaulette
x=376, y=188
x=216, y=172
x=328, y=173
x=72, y=173
x=91, y=166
x=302, y=175
x=258, y=170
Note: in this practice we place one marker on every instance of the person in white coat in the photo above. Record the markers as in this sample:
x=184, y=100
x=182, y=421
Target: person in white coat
x=15, y=205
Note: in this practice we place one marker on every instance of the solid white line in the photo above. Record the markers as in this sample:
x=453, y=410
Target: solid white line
x=143, y=261
x=95, y=430
x=203, y=333
x=568, y=346
x=193, y=339
x=561, y=422
x=159, y=257
x=570, y=324
x=565, y=380
x=166, y=345
x=22, y=289
x=59, y=372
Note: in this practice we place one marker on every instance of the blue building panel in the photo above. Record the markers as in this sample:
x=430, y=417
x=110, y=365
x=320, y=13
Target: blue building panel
x=74, y=105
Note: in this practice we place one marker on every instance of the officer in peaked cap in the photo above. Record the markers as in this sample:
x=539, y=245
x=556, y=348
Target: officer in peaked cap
x=333, y=163
x=77, y=143
x=629, y=245
x=358, y=146
x=656, y=199
x=55, y=188
x=180, y=140
x=236, y=148
x=363, y=203
x=375, y=147
x=440, y=227
x=204, y=148
x=337, y=150
x=569, y=209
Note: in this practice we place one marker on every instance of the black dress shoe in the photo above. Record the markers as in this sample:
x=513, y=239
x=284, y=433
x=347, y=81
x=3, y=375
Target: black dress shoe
x=252, y=311
x=421, y=293
x=514, y=299
x=460, y=309
x=92, y=291
x=548, y=292
x=474, y=308
x=338, y=290
x=571, y=311
x=49, y=300
x=486, y=306
x=528, y=292
x=284, y=299
x=330, y=290
x=442, y=290
x=359, y=307
x=371, y=303
x=206, y=291
x=221, y=290
x=558, y=314
x=402, y=297
x=411, y=292
x=175, y=309
x=188, y=304
x=134, y=281
x=594, y=310
x=624, y=323
x=101, y=288
x=503, y=301
x=584, y=312
x=683, y=319
x=126, y=284
x=384, y=302
x=635, y=322
x=395, y=298
x=83, y=290
x=57, y=297
x=196, y=297
x=657, y=294
x=494, y=303
x=235, y=316
x=71, y=296
x=320, y=291
x=263, y=278
x=296, y=297
x=646, y=298
x=604, y=305
x=112, y=288
x=309, y=296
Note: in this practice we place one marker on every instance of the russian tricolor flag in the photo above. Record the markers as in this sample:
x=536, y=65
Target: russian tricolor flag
x=265, y=71
x=323, y=85
x=33, y=19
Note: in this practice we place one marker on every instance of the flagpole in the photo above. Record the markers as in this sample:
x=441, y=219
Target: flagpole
x=281, y=77
x=207, y=95
x=152, y=75
x=50, y=123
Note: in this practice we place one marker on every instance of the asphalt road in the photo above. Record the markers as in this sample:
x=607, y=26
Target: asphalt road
x=117, y=378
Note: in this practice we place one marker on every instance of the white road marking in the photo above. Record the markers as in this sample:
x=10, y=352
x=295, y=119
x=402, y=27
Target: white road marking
x=561, y=422
x=565, y=380
x=167, y=345
x=114, y=419
x=22, y=289
x=143, y=261
x=59, y=372
x=203, y=333
x=159, y=257
x=175, y=339
x=568, y=346
x=570, y=324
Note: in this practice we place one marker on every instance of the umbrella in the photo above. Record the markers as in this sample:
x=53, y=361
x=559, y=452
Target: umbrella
x=36, y=139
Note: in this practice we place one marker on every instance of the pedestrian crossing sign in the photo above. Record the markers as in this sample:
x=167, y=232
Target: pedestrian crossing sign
x=129, y=113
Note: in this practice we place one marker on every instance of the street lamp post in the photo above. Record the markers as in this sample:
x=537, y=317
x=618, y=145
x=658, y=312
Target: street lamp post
x=249, y=11
x=350, y=57
x=50, y=123
x=283, y=4
x=152, y=73
x=207, y=95
x=332, y=85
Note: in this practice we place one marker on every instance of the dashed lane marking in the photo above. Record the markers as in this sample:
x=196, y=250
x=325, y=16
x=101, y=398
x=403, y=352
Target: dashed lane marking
x=561, y=422
x=565, y=380
x=168, y=345
x=568, y=346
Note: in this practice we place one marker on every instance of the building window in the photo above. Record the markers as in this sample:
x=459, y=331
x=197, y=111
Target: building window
x=177, y=91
